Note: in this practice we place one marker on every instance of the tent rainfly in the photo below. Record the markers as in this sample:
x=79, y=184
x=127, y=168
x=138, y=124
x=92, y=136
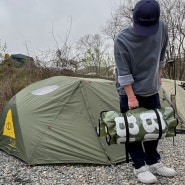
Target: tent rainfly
x=54, y=120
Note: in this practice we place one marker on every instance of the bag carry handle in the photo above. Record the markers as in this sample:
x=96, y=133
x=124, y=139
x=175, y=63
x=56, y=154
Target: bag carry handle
x=159, y=123
x=127, y=137
x=127, y=127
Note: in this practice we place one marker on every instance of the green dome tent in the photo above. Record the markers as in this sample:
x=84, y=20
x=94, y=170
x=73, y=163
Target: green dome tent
x=54, y=120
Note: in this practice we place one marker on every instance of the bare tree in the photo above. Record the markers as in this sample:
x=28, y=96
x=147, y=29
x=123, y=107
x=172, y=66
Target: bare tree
x=94, y=54
x=120, y=18
x=64, y=58
x=172, y=13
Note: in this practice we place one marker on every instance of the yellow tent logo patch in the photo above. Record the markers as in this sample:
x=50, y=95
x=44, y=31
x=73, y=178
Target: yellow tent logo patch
x=8, y=126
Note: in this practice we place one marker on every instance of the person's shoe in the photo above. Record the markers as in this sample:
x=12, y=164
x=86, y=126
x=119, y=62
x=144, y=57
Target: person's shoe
x=144, y=175
x=160, y=169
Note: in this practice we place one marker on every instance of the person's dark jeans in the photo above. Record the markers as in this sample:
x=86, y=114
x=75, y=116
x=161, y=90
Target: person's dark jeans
x=149, y=154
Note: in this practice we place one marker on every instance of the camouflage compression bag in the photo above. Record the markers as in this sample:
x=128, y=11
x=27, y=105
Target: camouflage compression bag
x=137, y=125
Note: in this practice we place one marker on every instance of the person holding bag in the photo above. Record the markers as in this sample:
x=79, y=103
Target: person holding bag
x=139, y=53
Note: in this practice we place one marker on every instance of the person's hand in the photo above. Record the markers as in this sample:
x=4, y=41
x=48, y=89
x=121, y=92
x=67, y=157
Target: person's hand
x=133, y=102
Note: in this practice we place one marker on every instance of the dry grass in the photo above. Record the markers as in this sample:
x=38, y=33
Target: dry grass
x=13, y=79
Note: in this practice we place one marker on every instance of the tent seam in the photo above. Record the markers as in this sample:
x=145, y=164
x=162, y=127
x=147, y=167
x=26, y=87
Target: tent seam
x=91, y=116
x=44, y=133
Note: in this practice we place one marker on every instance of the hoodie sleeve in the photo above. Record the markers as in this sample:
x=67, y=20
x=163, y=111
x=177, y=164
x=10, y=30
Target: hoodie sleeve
x=165, y=44
x=122, y=60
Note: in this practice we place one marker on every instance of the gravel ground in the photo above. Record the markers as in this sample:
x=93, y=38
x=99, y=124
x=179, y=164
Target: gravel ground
x=15, y=172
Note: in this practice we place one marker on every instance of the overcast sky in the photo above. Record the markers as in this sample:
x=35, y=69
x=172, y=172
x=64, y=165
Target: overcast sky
x=29, y=22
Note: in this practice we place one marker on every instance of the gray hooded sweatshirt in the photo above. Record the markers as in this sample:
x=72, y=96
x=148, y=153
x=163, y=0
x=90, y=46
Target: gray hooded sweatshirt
x=138, y=60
